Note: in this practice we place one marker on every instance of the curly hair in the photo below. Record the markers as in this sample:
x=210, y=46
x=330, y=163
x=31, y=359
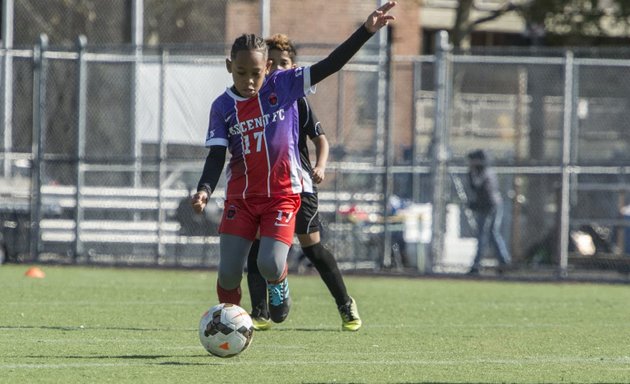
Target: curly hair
x=281, y=42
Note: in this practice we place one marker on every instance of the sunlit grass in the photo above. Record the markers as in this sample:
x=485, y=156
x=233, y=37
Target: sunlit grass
x=140, y=326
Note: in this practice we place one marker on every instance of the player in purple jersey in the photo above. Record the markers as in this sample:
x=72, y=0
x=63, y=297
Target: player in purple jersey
x=282, y=54
x=257, y=120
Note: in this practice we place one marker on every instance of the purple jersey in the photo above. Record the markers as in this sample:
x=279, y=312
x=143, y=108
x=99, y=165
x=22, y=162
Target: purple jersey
x=262, y=134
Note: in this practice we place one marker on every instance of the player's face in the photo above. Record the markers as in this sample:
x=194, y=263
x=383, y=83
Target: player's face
x=280, y=60
x=248, y=70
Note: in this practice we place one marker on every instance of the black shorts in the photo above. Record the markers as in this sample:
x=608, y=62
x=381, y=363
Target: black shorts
x=307, y=218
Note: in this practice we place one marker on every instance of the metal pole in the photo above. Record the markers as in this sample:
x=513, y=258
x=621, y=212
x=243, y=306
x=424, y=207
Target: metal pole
x=7, y=83
x=566, y=165
x=388, y=185
x=381, y=122
x=265, y=17
x=81, y=122
x=39, y=128
x=381, y=106
x=415, y=150
x=440, y=147
x=161, y=153
x=137, y=40
x=137, y=23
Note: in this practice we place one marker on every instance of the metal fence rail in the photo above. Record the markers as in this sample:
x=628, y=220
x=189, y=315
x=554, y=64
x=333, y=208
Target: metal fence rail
x=100, y=151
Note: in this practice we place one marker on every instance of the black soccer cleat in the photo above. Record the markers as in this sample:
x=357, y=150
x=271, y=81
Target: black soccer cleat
x=279, y=300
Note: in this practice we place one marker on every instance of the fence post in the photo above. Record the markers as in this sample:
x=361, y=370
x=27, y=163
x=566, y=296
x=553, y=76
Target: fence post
x=565, y=198
x=381, y=138
x=161, y=155
x=39, y=129
x=7, y=84
x=137, y=41
x=416, y=132
x=440, y=147
x=81, y=121
x=388, y=157
x=265, y=17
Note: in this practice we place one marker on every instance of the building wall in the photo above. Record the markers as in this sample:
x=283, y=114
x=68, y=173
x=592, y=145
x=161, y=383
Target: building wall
x=327, y=24
x=323, y=22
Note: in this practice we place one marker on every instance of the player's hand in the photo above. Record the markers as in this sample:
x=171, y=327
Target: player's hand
x=199, y=201
x=319, y=174
x=379, y=18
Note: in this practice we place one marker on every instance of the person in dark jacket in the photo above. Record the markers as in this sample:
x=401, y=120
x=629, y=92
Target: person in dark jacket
x=486, y=202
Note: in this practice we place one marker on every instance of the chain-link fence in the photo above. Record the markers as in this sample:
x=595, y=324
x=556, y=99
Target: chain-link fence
x=112, y=22
x=555, y=127
x=105, y=144
x=102, y=145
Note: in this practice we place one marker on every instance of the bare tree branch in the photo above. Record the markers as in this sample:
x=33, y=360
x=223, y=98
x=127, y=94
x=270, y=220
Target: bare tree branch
x=507, y=7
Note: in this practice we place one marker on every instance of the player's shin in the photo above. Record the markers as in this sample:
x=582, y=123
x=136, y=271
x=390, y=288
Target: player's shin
x=232, y=296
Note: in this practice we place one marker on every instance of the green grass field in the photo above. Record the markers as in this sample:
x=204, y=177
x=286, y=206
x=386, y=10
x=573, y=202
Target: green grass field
x=87, y=325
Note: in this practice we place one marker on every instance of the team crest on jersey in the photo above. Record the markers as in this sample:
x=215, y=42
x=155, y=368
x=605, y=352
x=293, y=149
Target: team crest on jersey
x=231, y=212
x=273, y=99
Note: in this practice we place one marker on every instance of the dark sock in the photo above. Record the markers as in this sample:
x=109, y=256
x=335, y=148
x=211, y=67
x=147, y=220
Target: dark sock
x=326, y=265
x=256, y=283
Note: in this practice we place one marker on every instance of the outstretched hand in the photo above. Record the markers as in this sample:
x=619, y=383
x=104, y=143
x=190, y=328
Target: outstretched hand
x=379, y=18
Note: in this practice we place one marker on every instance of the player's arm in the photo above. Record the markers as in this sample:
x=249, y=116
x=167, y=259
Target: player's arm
x=321, y=155
x=210, y=177
x=343, y=53
x=310, y=125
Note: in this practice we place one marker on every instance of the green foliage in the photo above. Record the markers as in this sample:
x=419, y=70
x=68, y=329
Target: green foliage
x=565, y=22
x=140, y=326
x=579, y=17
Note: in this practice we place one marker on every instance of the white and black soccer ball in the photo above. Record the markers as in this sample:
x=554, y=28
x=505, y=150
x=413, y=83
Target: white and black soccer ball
x=226, y=330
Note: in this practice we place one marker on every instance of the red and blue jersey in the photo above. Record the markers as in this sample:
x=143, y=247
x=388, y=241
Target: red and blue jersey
x=262, y=135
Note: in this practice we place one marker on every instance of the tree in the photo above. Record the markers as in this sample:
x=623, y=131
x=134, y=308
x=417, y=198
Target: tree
x=571, y=22
x=464, y=24
x=579, y=17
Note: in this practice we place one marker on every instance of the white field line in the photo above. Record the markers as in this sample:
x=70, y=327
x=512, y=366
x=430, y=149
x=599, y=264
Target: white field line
x=624, y=360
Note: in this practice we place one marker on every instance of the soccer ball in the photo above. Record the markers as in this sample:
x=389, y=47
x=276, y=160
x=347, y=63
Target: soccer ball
x=226, y=330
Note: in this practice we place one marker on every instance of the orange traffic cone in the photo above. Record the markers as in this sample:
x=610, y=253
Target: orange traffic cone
x=35, y=273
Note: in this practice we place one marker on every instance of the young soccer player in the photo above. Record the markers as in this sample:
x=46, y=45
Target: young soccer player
x=282, y=54
x=257, y=120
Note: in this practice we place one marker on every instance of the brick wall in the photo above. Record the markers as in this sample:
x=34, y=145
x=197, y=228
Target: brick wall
x=329, y=23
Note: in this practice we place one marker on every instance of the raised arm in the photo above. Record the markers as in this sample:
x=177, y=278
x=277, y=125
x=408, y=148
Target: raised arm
x=343, y=53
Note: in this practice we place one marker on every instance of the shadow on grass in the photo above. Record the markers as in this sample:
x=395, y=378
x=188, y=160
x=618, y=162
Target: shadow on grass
x=80, y=328
x=303, y=330
x=138, y=329
x=148, y=358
